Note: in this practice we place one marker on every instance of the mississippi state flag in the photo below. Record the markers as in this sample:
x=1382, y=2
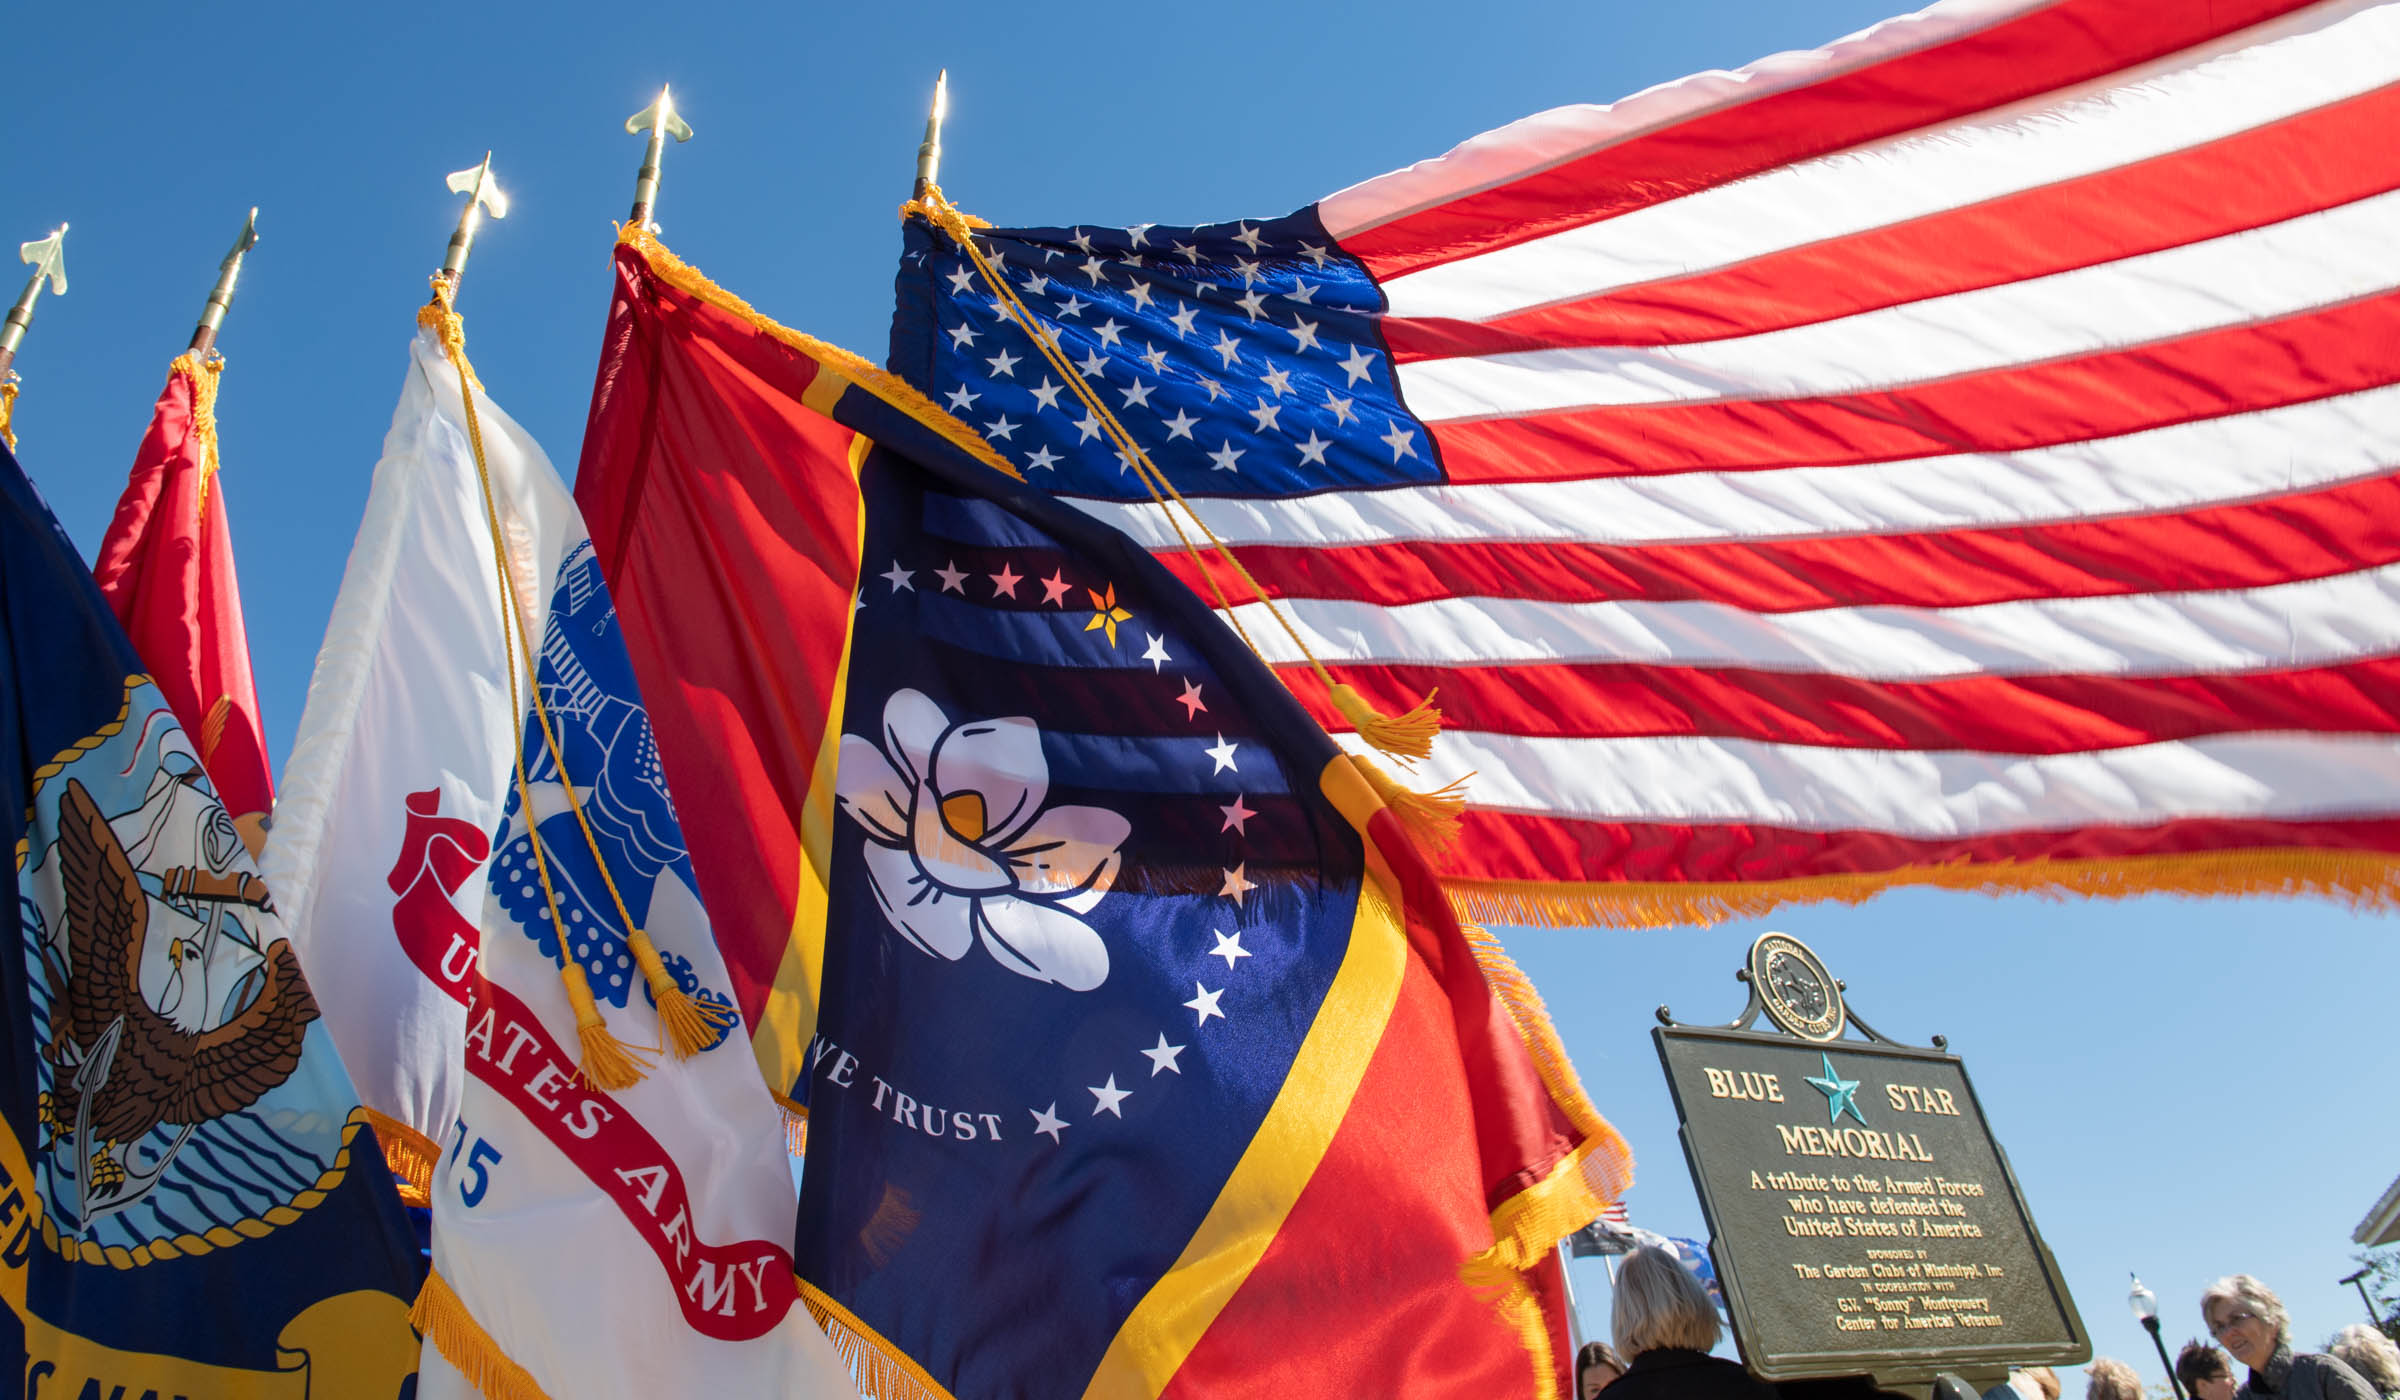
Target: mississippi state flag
x=1139, y=1034
x=1960, y=455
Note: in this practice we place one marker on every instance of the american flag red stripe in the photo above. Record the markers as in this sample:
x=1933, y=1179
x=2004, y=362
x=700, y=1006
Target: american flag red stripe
x=1964, y=454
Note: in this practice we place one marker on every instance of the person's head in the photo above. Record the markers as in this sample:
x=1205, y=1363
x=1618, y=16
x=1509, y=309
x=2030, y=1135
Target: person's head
x=2245, y=1317
x=1595, y=1366
x=1659, y=1304
x=2205, y=1372
x=2044, y=1379
x=2367, y=1351
x=2109, y=1379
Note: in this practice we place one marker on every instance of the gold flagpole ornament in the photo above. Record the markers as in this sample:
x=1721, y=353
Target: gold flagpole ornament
x=220, y=298
x=475, y=182
x=49, y=259
x=929, y=154
x=661, y=121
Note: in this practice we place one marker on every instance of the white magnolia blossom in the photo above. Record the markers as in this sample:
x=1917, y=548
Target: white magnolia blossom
x=959, y=848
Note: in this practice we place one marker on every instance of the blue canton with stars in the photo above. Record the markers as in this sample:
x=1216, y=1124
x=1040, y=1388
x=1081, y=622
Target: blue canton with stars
x=1242, y=357
x=1085, y=902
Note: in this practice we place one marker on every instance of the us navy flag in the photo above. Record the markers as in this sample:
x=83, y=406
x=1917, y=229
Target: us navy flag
x=190, y=1200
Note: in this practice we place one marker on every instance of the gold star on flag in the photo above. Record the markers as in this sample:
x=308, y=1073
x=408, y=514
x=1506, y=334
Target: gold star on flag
x=1106, y=613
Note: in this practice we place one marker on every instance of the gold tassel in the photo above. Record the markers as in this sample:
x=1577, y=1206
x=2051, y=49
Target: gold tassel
x=795, y=1131
x=691, y=1026
x=8, y=414
x=443, y=1320
x=1430, y=817
x=1407, y=736
x=608, y=1063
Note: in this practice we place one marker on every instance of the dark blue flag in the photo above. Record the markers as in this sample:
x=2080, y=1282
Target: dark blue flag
x=191, y=1202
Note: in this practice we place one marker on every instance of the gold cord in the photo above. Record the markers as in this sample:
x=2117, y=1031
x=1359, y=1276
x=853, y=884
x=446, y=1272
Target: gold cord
x=607, y=1062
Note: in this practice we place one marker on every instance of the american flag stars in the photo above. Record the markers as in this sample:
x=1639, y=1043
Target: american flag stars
x=1232, y=356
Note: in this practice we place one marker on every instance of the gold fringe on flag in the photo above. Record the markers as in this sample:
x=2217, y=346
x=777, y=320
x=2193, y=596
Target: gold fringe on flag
x=454, y=1332
x=880, y=1369
x=2360, y=880
x=409, y=1153
x=8, y=414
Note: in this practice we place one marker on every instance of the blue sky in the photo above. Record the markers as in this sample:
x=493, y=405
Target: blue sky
x=2185, y=1088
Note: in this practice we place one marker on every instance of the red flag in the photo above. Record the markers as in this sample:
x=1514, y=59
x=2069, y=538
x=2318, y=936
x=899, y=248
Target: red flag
x=166, y=567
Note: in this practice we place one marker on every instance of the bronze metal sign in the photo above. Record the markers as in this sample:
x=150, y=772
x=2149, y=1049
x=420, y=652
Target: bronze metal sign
x=1864, y=1219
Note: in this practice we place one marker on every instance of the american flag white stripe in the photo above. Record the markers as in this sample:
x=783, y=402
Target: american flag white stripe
x=2313, y=622
x=2188, y=465
x=1971, y=447
x=1920, y=794
x=2254, y=275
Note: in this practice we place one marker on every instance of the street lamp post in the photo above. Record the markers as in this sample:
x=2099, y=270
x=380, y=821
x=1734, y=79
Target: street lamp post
x=2360, y=1279
x=2145, y=1308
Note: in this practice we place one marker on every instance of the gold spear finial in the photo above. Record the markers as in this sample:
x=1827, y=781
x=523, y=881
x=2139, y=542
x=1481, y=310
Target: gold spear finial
x=929, y=154
x=220, y=298
x=475, y=182
x=661, y=121
x=49, y=259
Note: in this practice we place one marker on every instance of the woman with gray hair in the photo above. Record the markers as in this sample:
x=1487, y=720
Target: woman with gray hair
x=2248, y=1319
x=2367, y=1351
x=2110, y=1379
x=1665, y=1325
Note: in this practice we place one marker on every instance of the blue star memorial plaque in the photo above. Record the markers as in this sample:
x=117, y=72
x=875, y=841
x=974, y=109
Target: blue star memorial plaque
x=1864, y=1220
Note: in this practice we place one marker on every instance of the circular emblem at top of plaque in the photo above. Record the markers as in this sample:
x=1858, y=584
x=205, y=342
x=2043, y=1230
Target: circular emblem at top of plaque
x=1794, y=987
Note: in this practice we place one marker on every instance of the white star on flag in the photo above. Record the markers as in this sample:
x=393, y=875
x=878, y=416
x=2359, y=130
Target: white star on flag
x=1227, y=455
x=954, y=579
x=1401, y=441
x=900, y=578
x=1205, y=1005
x=1305, y=332
x=1003, y=363
x=1180, y=426
x=1359, y=365
x=963, y=334
x=1248, y=238
x=1223, y=754
x=1046, y=1120
x=1157, y=653
x=961, y=399
x=1047, y=395
x=1162, y=1058
x=1313, y=450
x=1043, y=459
x=1227, y=349
x=1229, y=947
x=1109, y=1096
x=1183, y=320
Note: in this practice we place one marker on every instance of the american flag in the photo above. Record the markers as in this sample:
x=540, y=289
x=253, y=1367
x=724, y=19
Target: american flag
x=1961, y=454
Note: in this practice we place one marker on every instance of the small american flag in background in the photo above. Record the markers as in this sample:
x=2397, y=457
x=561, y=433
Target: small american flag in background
x=1961, y=454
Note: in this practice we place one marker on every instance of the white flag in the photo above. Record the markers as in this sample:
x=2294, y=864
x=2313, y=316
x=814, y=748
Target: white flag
x=609, y=1217
x=409, y=709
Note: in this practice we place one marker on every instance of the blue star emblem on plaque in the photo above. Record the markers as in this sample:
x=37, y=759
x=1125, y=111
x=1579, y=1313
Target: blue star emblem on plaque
x=1841, y=1095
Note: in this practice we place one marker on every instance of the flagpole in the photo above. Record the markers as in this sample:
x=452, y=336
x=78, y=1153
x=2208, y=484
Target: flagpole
x=49, y=259
x=661, y=121
x=475, y=182
x=220, y=298
x=929, y=153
